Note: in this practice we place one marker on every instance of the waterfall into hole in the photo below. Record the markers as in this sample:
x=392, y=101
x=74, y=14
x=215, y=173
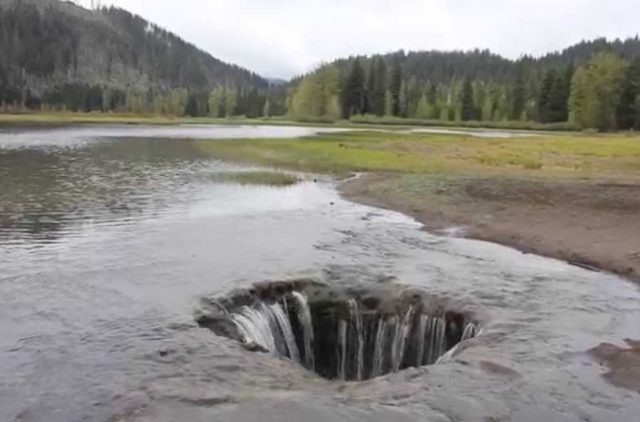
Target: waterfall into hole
x=303, y=314
x=339, y=334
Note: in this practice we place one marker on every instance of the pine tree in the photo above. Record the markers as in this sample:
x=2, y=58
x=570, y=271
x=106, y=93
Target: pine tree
x=403, y=101
x=518, y=98
x=468, y=111
x=192, y=106
x=628, y=114
x=380, y=88
x=561, y=95
x=395, y=86
x=432, y=94
x=547, y=88
x=414, y=93
x=353, y=91
x=555, y=93
x=371, y=88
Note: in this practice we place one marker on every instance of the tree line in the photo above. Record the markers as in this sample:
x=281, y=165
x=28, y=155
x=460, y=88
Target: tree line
x=591, y=85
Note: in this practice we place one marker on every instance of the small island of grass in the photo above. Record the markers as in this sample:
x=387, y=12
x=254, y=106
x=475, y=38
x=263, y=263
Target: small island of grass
x=262, y=177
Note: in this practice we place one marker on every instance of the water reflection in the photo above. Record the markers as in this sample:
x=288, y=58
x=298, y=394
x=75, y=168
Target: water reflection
x=80, y=136
x=47, y=192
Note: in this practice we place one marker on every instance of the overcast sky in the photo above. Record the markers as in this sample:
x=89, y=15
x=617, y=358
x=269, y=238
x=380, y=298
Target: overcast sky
x=282, y=38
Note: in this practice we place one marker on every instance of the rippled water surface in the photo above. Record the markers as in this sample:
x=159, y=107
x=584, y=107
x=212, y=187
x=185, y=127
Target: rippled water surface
x=109, y=237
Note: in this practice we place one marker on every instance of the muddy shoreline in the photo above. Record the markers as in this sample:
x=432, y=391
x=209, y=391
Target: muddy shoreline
x=588, y=224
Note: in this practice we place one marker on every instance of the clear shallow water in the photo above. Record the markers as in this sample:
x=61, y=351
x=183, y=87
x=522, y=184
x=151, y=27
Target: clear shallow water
x=107, y=244
x=73, y=136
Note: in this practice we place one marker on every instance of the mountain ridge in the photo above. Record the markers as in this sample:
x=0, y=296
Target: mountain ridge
x=107, y=47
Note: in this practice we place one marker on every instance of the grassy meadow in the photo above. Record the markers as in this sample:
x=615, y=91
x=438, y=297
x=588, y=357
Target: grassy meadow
x=340, y=154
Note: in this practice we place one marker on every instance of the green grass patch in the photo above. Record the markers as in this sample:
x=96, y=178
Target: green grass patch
x=265, y=178
x=553, y=155
x=504, y=125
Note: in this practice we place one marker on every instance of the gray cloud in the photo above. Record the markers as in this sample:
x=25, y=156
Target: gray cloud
x=282, y=38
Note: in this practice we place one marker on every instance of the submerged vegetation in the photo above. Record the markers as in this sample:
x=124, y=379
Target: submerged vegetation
x=268, y=178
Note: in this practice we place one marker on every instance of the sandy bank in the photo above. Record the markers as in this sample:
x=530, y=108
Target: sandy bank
x=593, y=225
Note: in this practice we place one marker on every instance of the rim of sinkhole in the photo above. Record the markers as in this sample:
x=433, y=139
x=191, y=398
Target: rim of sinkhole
x=350, y=333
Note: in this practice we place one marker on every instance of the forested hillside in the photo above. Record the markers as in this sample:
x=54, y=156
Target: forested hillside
x=57, y=55
x=593, y=84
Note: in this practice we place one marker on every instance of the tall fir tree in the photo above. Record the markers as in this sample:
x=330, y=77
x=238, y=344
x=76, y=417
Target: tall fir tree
x=467, y=102
x=353, y=91
x=518, y=95
x=371, y=88
x=380, y=87
x=628, y=113
x=549, y=82
x=432, y=94
x=395, y=86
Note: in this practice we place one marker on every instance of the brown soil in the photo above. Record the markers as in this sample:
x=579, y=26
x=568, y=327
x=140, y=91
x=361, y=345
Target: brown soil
x=595, y=225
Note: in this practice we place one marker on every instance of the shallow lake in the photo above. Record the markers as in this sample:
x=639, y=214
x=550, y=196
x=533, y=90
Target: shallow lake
x=111, y=236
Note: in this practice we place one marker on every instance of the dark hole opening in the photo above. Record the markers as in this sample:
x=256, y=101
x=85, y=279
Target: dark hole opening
x=354, y=333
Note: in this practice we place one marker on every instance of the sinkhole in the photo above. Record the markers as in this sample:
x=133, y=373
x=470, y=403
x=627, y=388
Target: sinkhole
x=349, y=333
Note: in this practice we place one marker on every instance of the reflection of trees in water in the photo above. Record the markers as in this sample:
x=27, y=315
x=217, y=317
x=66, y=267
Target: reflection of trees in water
x=46, y=192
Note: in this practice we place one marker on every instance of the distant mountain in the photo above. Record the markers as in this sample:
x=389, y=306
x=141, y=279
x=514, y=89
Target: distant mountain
x=52, y=51
x=277, y=81
x=443, y=67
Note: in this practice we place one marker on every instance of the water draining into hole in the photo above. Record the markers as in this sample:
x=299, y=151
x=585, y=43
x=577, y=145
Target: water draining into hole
x=353, y=334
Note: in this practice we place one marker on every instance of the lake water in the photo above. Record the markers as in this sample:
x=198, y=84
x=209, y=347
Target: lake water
x=110, y=237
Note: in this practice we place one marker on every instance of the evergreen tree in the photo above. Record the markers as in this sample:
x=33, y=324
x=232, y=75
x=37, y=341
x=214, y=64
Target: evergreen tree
x=371, y=88
x=628, y=113
x=414, y=92
x=403, y=101
x=353, y=91
x=468, y=111
x=518, y=96
x=432, y=94
x=553, y=97
x=560, y=96
x=378, y=95
x=395, y=86
x=192, y=106
x=549, y=84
